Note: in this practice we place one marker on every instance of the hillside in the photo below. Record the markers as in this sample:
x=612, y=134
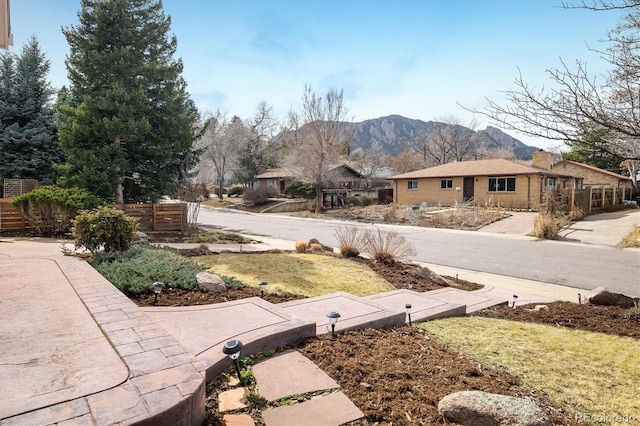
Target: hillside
x=394, y=133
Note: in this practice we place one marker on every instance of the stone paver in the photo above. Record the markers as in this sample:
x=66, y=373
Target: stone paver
x=238, y=420
x=233, y=399
x=504, y=294
x=290, y=373
x=328, y=410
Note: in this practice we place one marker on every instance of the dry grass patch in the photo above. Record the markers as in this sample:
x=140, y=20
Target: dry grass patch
x=299, y=273
x=632, y=239
x=580, y=371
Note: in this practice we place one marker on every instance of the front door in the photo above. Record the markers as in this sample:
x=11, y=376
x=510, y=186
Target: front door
x=467, y=189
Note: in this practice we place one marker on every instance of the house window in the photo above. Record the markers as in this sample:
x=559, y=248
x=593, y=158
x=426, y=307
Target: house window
x=446, y=183
x=412, y=184
x=551, y=182
x=502, y=184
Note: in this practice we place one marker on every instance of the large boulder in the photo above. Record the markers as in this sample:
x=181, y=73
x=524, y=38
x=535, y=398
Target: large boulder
x=476, y=408
x=210, y=282
x=427, y=273
x=601, y=296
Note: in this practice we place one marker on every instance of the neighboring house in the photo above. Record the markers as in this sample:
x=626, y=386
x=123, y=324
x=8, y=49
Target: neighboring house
x=483, y=182
x=593, y=176
x=274, y=178
x=343, y=177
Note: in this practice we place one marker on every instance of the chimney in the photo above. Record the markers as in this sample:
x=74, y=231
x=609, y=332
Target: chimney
x=542, y=159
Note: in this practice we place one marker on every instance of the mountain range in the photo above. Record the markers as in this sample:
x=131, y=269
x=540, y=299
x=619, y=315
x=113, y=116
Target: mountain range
x=394, y=133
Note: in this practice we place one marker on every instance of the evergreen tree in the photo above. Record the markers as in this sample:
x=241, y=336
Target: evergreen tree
x=28, y=142
x=592, y=149
x=127, y=125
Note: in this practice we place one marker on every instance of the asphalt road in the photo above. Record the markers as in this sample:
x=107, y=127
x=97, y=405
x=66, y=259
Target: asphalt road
x=556, y=262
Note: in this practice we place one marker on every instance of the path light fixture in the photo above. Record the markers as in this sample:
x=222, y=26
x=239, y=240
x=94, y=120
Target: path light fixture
x=410, y=285
x=513, y=303
x=263, y=286
x=232, y=350
x=157, y=289
x=333, y=319
x=579, y=299
x=408, y=307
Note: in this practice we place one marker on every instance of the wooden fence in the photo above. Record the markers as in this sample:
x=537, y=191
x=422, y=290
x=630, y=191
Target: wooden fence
x=591, y=199
x=10, y=216
x=158, y=217
x=153, y=217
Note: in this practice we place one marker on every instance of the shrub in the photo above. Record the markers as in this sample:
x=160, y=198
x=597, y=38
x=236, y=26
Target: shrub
x=350, y=240
x=576, y=214
x=315, y=247
x=235, y=191
x=301, y=246
x=353, y=201
x=366, y=201
x=259, y=195
x=298, y=189
x=544, y=227
x=107, y=228
x=387, y=246
x=135, y=270
x=51, y=209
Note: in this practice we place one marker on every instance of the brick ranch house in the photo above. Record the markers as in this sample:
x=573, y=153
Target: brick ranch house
x=483, y=182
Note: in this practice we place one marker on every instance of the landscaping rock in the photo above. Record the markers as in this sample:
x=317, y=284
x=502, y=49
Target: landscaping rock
x=210, y=282
x=476, y=408
x=601, y=296
x=427, y=273
x=140, y=237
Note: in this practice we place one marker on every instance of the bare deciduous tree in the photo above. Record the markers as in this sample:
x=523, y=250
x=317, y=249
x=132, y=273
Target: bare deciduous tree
x=448, y=141
x=577, y=100
x=317, y=144
x=263, y=146
x=371, y=161
x=222, y=139
x=406, y=161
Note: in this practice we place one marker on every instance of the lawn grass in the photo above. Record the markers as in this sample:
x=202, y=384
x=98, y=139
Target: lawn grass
x=581, y=372
x=632, y=239
x=298, y=273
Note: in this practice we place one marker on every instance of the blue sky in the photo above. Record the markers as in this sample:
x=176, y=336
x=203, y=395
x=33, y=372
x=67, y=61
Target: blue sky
x=416, y=58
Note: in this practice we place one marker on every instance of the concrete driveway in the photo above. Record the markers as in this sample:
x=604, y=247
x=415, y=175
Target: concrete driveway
x=603, y=228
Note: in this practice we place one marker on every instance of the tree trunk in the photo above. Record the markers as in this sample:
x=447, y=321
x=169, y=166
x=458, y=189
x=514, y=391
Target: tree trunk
x=119, y=195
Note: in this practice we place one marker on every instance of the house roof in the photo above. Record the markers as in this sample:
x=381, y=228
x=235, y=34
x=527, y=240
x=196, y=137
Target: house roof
x=593, y=168
x=287, y=173
x=493, y=167
x=275, y=173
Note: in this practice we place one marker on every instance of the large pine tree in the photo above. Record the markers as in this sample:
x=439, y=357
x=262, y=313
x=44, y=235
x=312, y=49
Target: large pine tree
x=28, y=142
x=127, y=123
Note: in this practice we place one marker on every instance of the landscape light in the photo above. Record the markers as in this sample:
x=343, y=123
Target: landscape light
x=408, y=307
x=157, y=289
x=232, y=350
x=513, y=303
x=333, y=319
x=410, y=285
x=579, y=299
x=262, y=285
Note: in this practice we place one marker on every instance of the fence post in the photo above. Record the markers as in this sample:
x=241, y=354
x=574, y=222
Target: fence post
x=153, y=217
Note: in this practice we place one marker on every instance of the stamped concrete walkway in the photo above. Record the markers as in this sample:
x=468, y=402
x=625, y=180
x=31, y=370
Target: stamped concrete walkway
x=74, y=349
